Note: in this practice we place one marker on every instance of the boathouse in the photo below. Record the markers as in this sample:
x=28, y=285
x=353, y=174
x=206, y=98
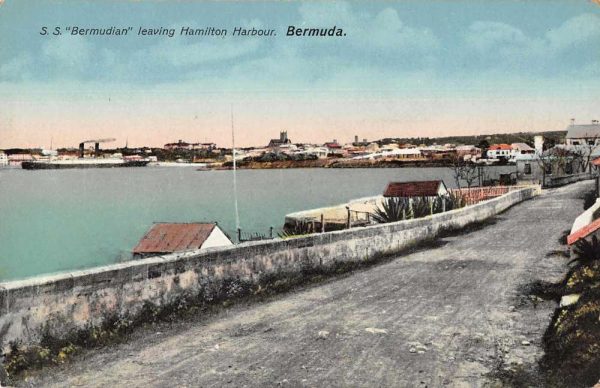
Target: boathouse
x=416, y=189
x=165, y=238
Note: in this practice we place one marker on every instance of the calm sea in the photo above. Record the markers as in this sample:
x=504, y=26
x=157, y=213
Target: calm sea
x=53, y=221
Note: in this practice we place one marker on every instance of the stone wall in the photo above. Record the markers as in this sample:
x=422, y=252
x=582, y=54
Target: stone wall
x=60, y=304
x=567, y=179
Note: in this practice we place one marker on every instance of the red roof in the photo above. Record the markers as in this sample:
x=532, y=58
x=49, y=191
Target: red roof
x=500, y=147
x=413, y=189
x=332, y=145
x=583, y=232
x=174, y=237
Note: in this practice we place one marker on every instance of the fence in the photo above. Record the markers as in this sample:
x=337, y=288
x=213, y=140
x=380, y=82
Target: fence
x=475, y=195
x=254, y=236
x=358, y=218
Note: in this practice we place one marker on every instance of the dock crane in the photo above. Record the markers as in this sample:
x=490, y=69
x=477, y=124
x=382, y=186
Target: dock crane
x=96, y=147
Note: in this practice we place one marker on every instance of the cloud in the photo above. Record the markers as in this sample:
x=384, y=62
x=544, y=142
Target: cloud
x=326, y=14
x=17, y=68
x=70, y=52
x=384, y=48
x=572, y=45
x=580, y=29
x=383, y=31
x=388, y=31
x=179, y=54
x=484, y=36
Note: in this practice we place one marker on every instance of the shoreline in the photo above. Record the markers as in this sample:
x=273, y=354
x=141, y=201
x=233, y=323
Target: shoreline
x=341, y=163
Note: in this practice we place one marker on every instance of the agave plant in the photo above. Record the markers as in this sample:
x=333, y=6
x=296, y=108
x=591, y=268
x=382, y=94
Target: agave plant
x=398, y=208
x=439, y=204
x=421, y=207
x=391, y=210
x=298, y=229
x=586, y=251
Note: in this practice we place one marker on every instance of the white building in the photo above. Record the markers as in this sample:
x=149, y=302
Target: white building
x=521, y=150
x=583, y=134
x=397, y=153
x=497, y=151
x=319, y=152
x=3, y=159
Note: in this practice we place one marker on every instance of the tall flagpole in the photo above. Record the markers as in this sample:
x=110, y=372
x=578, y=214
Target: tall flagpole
x=235, y=198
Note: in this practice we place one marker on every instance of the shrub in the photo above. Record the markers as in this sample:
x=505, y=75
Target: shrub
x=398, y=208
x=421, y=207
x=392, y=210
x=455, y=201
x=586, y=252
x=589, y=199
x=297, y=230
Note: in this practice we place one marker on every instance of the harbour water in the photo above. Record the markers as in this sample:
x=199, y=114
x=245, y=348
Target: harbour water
x=52, y=221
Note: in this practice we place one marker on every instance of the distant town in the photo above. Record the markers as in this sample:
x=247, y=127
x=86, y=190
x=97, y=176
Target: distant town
x=283, y=152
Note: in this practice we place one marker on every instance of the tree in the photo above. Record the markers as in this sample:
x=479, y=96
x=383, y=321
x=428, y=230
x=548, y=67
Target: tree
x=463, y=171
x=582, y=154
x=555, y=161
x=483, y=144
x=549, y=143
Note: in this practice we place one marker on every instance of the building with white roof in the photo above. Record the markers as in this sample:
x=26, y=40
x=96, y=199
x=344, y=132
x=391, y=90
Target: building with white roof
x=583, y=134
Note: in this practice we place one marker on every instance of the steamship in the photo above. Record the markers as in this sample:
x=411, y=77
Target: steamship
x=81, y=162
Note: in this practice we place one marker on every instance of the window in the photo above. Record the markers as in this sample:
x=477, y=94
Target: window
x=527, y=170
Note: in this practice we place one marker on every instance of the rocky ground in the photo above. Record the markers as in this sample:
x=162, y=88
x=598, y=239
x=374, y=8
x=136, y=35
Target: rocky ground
x=457, y=314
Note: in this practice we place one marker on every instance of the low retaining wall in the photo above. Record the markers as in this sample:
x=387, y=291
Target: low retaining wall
x=567, y=179
x=59, y=304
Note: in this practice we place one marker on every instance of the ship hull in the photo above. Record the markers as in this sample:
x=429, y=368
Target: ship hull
x=61, y=166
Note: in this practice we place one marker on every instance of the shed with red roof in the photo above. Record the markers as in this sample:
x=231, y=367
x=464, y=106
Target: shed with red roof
x=165, y=238
x=416, y=189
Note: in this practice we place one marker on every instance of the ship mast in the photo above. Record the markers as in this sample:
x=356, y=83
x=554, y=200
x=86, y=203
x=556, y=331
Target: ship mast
x=235, y=197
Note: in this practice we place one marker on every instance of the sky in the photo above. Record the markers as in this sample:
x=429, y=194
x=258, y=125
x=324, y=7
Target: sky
x=403, y=69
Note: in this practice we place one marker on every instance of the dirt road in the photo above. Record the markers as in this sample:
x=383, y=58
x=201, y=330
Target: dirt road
x=445, y=316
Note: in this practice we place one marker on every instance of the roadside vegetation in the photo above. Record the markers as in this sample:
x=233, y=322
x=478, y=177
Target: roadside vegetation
x=572, y=341
x=399, y=209
x=589, y=199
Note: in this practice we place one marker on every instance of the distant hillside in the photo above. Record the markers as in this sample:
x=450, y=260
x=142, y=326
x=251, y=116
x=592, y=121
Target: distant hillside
x=518, y=137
